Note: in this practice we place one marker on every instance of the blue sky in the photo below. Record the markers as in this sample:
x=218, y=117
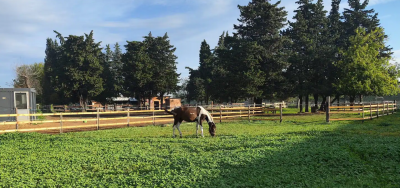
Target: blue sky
x=25, y=25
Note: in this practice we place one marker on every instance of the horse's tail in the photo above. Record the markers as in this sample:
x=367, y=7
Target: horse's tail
x=169, y=112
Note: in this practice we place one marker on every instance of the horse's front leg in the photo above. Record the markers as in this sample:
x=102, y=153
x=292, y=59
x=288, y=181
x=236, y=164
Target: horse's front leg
x=197, y=128
x=201, y=126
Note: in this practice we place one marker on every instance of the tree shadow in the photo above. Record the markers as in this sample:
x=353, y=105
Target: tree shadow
x=349, y=156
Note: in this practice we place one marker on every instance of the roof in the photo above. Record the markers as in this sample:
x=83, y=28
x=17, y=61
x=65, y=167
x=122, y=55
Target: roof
x=18, y=89
x=123, y=99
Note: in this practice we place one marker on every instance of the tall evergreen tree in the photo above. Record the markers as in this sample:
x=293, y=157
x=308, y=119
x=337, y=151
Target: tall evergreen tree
x=206, y=68
x=137, y=71
x=49, y=78
x=358, y=16
x=81, y=59
x=261, y=22
x=116, y=68
x=166, y=77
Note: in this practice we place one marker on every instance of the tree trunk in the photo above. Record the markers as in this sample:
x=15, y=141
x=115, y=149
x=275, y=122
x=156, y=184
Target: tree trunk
x=316, y=101
x=301, y=103
x=322, y=108
x=307, y=100
x=258, y=100
x=338, y=99
x=334, y=99
x=162, y=99
x=361, y=98
x=352, y=99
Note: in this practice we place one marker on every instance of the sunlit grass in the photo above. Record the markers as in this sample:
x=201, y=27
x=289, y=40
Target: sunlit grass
x=302, y=151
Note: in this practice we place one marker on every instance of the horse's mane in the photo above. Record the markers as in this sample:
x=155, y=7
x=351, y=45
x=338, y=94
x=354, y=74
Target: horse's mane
x=206, y=113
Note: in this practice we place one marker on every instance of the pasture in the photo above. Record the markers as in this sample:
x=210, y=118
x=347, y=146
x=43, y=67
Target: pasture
x=302, y=151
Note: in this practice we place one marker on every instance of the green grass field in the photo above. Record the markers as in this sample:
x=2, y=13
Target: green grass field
x=299, y=152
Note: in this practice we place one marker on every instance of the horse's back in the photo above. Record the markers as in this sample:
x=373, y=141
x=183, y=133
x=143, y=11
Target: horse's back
x=189, y=114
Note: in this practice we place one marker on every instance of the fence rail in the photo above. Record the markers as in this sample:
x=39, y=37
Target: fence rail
x=370, y=110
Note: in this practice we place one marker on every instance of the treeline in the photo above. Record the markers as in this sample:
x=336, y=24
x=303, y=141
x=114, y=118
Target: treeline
x=319, y=54
x=77, y=69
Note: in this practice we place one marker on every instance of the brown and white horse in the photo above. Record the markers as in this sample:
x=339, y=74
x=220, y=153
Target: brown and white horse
x=192, y=114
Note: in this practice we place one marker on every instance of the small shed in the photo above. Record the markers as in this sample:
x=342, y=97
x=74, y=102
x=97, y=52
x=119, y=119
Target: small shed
x=17, y=101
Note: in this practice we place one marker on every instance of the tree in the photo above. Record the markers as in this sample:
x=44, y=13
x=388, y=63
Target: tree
x=301, y=50
x=30, y=76
x=206, y=68
x=137, y=71
x=195, y=86
x=108, y=76
x=81, y=61
x=243, y=73
x=116, y=69
x=182, y=91
x=261, y=22
x=357, y=16
x=363, y=70
x=165, y=78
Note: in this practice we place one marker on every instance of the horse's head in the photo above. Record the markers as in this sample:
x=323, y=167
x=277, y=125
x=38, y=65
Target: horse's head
x=212, y=128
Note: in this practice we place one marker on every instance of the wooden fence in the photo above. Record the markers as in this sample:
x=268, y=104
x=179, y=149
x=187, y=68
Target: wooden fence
x=97, y=120
x=367, y=110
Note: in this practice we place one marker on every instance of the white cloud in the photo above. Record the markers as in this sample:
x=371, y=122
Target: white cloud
x=396, y=56
x=25, y=25
x=167, y=22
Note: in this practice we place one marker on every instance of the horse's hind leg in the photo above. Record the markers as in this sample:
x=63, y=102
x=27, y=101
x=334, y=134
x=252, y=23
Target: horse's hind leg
x=174, y=127
x=177, y=126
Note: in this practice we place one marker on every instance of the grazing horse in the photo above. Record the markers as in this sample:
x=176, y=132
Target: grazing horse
x=192, y=114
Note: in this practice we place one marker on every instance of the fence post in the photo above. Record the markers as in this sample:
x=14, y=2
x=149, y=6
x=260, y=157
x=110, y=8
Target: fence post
x=387, y=108
x=220, y=114
x=16, y=118
x=328, y=101
x=154, y=122
x=128, y=118
x=212, y=107
x=61, y=123
x=395, y=106
x=363, y=110
x=370, y=110
x=280, y=109
x=249, y=113
x=98, y=119
x=394, y=103
x=254, y=107
x=377, y=110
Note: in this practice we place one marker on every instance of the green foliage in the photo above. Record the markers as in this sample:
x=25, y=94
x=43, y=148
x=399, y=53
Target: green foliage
x=137, y=70
x=81, y=64
x=363, y=70
x=30, y=76
x=296, y=153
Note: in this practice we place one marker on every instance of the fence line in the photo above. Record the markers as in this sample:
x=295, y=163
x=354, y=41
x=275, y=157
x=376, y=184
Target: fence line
x=386, y=107
x=147, y=116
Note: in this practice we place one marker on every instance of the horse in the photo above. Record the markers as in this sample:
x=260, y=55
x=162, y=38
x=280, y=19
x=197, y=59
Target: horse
x=192, y=114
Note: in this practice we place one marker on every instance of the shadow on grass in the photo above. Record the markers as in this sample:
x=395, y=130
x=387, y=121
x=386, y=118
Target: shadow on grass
x=353, y=155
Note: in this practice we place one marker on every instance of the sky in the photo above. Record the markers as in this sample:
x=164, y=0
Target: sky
x=26, y=24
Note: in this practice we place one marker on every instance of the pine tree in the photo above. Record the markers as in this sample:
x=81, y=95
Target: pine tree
x=205, y=68
x=261, y=22
x=81, y=60
x=137, y=71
